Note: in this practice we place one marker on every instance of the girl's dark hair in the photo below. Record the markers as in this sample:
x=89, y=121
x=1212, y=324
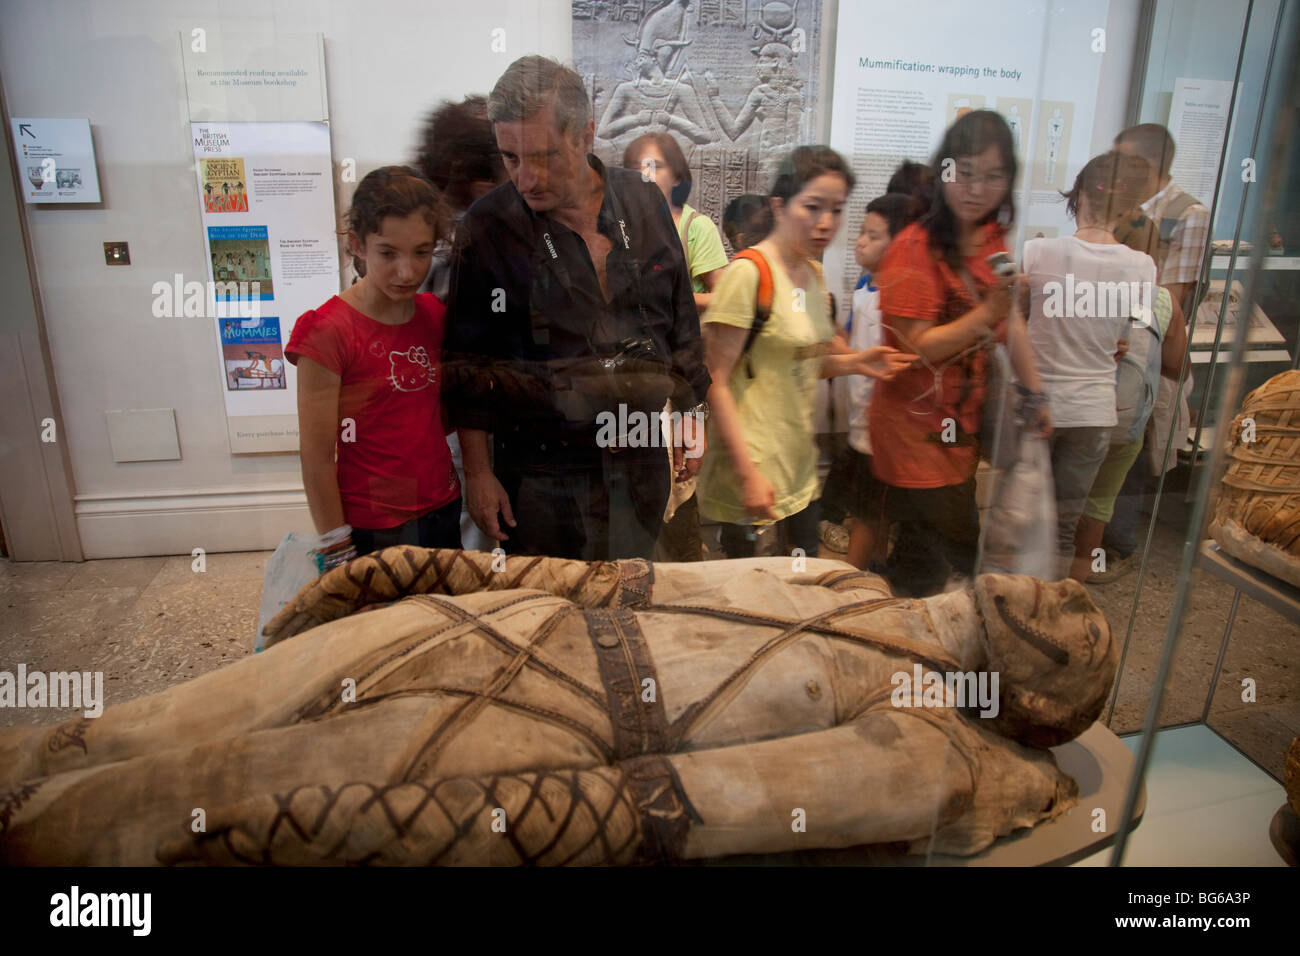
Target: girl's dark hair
x=803, y=165
x=458, y=148
x=969, y=136
x=673, y=156
x=915, y=179
x=394, y=191
x=746, y=220
x=1112, y=182
x=897, y=209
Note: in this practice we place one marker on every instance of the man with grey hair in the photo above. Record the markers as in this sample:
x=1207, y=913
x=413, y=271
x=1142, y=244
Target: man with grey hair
x=570, y=306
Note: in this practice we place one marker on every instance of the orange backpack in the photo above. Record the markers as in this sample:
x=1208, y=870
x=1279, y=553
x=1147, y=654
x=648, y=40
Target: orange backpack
x=763, y=301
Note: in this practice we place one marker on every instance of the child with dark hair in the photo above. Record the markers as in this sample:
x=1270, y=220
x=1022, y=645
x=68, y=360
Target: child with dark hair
x=913, y=179
x=764, y=465
x=868, y=542
x=849, y=480
x=746, y=220
x=368, y=383
x=940, y=298
x=458, y=154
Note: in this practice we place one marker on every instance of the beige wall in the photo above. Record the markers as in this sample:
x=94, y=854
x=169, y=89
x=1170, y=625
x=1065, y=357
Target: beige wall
x=118, y=62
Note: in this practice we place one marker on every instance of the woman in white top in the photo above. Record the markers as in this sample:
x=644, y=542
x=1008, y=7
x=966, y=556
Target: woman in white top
x=1085, y=289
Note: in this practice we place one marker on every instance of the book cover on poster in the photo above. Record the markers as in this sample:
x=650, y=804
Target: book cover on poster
x=242, y=254
x=253, y=353
x=225, y=187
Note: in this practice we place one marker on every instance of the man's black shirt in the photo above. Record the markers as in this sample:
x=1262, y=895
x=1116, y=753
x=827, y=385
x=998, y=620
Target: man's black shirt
x=528, y=325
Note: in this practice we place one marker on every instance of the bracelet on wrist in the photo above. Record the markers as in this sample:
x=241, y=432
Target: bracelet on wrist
x=330, y=556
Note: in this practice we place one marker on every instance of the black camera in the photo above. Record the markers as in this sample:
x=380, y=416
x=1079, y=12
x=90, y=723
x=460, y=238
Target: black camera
x=635, y=370
x=630, y=352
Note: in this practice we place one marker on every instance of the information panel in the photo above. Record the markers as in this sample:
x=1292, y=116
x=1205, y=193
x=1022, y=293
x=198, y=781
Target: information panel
x=905, y=72
x=266, y=200
x=56, y=160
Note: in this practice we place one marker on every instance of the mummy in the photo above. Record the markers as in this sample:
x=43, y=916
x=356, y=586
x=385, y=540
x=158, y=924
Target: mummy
x=418, y=707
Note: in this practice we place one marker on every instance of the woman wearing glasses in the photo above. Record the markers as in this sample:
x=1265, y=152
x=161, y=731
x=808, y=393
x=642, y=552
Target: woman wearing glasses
x=941, y=299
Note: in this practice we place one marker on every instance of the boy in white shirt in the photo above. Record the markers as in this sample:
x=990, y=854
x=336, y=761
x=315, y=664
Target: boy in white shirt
x=868, y=531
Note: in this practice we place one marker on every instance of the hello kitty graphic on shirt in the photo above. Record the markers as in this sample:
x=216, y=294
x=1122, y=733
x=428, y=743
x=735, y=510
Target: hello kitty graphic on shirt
x=411, y=370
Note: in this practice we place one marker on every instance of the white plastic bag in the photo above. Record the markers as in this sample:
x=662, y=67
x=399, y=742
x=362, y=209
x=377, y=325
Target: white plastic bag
x=1019, y=532
x=290, y=569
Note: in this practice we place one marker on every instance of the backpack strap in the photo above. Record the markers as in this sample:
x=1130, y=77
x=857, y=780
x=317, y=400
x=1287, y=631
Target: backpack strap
x=684, y=230
x=762, y=302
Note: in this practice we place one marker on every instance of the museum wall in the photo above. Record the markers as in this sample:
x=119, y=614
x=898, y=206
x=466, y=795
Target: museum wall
x=120, y=65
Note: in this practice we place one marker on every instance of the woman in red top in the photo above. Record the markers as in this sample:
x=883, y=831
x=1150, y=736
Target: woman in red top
x=368, y=384
x=940, y=299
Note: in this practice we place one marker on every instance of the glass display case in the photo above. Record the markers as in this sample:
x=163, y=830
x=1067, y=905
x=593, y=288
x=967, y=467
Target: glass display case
x=154, y=481
x=1212, y=641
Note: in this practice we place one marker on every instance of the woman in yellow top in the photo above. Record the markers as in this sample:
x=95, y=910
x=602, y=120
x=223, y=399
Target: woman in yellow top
x=762, y=465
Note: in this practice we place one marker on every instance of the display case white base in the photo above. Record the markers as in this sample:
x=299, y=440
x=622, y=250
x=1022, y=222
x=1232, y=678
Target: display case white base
x=1207, y=805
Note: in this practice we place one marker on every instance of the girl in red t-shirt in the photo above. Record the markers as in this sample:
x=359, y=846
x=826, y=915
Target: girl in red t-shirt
x=368, y=384
x=940, y=299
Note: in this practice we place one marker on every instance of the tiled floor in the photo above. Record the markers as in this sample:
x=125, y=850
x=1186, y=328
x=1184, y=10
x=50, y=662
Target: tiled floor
x=1207, y=805
x=147, y=623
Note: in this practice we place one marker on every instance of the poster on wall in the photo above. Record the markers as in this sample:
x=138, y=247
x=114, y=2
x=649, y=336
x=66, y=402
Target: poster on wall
x=734, y=81
x=260, y=134
x=267, y=201
x=904, y=73
x=1198, y=122
x=253, y=353
x=56, y=160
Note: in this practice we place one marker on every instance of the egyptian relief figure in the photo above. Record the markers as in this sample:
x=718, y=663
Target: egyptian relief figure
x=776, y=103
x=651, y=98
x=425, y=707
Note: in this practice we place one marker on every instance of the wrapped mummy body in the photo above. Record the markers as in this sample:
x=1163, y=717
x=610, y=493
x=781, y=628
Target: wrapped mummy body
x=1257, y=517
x=566, y=712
